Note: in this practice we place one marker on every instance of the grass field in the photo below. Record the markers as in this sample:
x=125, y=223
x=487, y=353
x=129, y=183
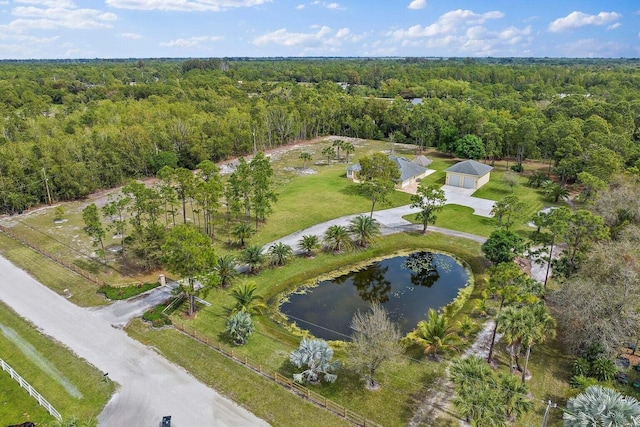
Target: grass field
x=73, y=387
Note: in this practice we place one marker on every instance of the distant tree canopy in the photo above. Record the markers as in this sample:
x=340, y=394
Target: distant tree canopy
x=76, y=127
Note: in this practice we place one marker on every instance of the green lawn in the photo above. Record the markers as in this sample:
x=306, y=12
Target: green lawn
x=72, y=386
x=271, y=344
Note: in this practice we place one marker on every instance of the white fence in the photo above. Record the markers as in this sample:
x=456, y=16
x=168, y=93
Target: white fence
x=32, y=391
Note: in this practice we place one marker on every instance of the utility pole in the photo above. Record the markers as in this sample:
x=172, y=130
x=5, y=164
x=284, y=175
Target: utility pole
x=46, y=185
x=550, y=404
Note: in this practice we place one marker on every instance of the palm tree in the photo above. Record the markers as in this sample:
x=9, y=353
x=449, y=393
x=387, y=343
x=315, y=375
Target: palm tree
x=514, y=396
x=513, y=322
x=247, y=300
x=309, y=243
x=466, y=325
x=348, y=148
x=253, y=257
x=435, y=334
x=315, y=355
x=239, y=326
x=305, y=157
x=338, y=143
x=364, y=229
x=226, y=269
x=336, y=238
x=329, y=153
x=554, y=191
x=601, y=406
x=242, y=232
x=279, y=253
x=542, y=326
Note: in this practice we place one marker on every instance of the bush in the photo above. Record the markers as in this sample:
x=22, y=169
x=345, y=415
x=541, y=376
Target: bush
x=155, y=316
x=517, y=168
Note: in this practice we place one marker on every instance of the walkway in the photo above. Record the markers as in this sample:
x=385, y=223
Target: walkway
x=150, y=386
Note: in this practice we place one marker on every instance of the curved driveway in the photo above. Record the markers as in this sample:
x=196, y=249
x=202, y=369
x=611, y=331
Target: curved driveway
x=150, y=386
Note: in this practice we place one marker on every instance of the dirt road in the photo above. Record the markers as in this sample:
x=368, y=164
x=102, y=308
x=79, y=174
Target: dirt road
x=150, y=386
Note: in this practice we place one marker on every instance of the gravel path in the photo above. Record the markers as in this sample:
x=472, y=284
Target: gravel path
x=149, y=385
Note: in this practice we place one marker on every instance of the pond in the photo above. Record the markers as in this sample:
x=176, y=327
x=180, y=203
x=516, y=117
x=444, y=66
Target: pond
x=406, y=286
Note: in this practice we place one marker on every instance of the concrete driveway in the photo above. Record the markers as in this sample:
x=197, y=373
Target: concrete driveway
x=150, y=386
x=463, y=197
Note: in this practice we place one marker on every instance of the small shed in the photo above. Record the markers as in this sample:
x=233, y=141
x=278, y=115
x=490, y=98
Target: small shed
x=352, y=171
x=468, y=174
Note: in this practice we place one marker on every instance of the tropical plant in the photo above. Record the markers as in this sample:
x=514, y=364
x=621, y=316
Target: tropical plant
x=554, y=191
x=239, y=327
x=514, y=396
x=309, y=243
x=513, y=323
x=542, y=326
x=226, y=269
x=435, y=334
x=242, y=231
x=536, y=179
x=348, y=148
x=253, y=257
x=375, y=339
x=338, y=144
x=364, y=229
x=329, y=153
x=279, y=253
x=315, y=355
x=601, y=406
x=603, y=369
x=337, y=239
x=466, y=326
x=305, y=157
x=247, y=300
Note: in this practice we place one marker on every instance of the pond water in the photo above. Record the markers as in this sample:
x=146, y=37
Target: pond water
x=406, y=286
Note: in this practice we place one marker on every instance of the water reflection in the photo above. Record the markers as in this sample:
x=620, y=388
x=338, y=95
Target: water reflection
x=407, y=286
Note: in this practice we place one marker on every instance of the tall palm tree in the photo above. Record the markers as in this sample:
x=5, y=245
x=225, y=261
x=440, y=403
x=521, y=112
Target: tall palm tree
x=226, y=269
x=364, y=229
x=309, y=243
x=336, y=238
x=435, y=334
x=601, y=406
x=348, y=148
x=247, y=299
x=242, y=232
x=279, y=253
x=329, y=153
x=253, y=257
x=513, y=323
x=514, y=396
x=305, y=157
x=554, y=191
x=543, y=326
x=338, y=144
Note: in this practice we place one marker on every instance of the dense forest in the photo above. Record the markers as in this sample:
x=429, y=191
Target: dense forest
x=69, y=128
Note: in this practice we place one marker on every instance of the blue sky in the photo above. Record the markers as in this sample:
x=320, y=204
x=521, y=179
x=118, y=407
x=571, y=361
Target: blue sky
x=48, y=29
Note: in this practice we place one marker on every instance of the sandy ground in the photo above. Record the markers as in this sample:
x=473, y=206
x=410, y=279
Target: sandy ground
x=150, y=387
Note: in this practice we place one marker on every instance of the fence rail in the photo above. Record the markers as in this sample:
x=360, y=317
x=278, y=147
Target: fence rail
x=32, y=391
x=297, y=389
x=53, y=257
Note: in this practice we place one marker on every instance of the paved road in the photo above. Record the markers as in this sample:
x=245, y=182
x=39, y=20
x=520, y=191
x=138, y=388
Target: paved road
x=150, y=386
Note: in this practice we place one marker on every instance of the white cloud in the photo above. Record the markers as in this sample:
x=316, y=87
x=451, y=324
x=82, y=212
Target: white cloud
x=591, y=48
x=322, y=40
x=332, y=5
x=579, y=19
x=184, y=5
x=50, y=3
x=448, y=23
x=417, y=4
x=192, y=42
x=30, y=17
x=133, y=36
x=614, y=26
x=300, y=7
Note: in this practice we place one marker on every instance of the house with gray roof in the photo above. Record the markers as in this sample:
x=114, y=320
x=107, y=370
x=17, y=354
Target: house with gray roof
x=410, y=172
x=468, y=174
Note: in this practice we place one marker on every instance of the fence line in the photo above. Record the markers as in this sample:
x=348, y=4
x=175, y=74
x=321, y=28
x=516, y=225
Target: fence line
x=53, y=258
x=32, y=391
x=297, y=389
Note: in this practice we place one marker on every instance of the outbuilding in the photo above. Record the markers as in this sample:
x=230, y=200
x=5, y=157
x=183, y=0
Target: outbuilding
x=468, y=174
